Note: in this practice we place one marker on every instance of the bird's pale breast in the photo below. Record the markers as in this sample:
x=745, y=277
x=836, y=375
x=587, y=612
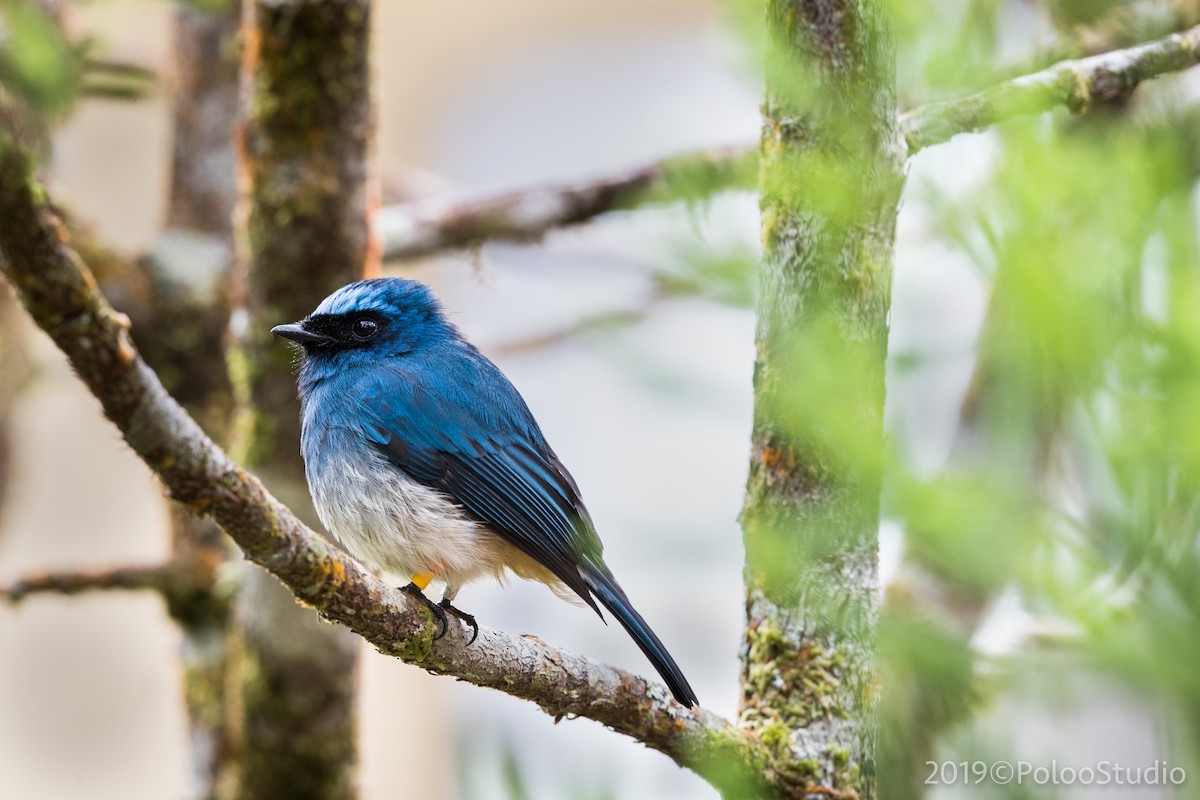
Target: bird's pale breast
x=396, y=524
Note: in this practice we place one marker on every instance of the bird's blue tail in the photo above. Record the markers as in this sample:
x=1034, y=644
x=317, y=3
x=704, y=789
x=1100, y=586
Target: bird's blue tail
x=610, y=594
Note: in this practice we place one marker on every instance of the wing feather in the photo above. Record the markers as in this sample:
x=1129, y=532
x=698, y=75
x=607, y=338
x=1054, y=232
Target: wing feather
x=497, y=466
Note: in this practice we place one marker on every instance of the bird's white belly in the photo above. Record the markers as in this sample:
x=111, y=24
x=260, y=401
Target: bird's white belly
x=400, y=526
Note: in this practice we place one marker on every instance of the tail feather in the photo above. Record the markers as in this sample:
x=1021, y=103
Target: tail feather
x=610, y=594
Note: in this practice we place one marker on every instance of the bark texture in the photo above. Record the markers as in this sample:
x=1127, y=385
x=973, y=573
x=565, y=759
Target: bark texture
x=305, y=141
x=831, y=171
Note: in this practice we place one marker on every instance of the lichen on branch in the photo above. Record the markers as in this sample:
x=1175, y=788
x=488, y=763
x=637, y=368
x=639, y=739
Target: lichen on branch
x=1077, y=84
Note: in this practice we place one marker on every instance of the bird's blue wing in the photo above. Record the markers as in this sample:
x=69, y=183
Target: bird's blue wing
x=466, y=432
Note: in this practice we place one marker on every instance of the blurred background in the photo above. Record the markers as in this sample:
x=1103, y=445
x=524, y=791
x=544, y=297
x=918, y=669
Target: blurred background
x=652, y=414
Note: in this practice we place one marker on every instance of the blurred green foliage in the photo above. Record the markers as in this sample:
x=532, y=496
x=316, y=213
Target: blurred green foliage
x=721, y=273
x=949, y=48
x=37, y=64
x=1083, y=496
x=1067, y=510
x=1069, y=506
x=44, y=72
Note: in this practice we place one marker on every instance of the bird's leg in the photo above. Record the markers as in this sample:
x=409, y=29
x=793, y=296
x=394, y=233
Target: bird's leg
x=469, y=619
x=415, y=589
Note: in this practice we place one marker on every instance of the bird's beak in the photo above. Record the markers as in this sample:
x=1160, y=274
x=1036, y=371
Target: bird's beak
x=296, y=332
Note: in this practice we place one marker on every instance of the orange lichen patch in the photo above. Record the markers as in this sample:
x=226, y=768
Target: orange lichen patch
x=778, y=460
x=336, y=571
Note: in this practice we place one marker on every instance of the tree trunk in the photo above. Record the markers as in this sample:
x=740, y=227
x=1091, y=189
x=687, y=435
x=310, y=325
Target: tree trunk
x=187, y=277
x=303, y=231
x=831, y=172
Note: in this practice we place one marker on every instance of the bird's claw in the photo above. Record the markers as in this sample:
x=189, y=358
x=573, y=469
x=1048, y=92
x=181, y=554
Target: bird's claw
x=469, y=619
x=414, y=591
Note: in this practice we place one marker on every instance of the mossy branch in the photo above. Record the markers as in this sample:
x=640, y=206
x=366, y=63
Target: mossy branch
x=62, y=297
x=1076, y=84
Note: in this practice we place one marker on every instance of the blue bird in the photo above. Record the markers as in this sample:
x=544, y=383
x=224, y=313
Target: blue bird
x=423, y=460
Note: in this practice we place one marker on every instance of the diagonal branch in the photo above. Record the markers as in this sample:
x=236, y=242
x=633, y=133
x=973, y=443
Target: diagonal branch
x=1075, y=84
x=63, y=299
x=425, y=227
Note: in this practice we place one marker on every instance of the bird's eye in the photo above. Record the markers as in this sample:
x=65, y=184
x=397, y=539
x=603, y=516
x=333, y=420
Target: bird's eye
x=364, y=328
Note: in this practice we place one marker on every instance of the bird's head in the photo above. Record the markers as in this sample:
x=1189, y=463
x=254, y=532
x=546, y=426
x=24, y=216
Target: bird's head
x=373, y=318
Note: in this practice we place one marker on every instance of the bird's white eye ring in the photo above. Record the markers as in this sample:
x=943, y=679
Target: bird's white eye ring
x=364, y=328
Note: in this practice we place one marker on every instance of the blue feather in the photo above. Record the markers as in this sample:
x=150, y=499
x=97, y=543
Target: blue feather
x=384, y=368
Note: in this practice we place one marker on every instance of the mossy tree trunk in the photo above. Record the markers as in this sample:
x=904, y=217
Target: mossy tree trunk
x=831, y=172
x=305, y=143
x=191, y=270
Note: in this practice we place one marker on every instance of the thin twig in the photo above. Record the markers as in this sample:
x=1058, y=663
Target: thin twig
x=429, y=226
x=1076, y=84
x=156, y=577
x=601, y=320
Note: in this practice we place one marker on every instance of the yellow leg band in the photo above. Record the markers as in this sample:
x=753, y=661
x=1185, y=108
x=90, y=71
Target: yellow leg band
x=422, y=579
